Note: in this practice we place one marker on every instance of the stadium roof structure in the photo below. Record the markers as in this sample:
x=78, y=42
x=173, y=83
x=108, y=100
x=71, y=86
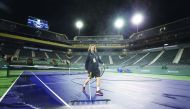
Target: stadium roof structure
x=176, y=32
x=100, y=37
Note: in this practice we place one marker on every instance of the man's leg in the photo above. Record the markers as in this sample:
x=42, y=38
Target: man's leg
x=98, y=91
x=86, y=81
x=97, y=83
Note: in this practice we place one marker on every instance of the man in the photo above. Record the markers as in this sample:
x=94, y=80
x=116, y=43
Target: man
x=92, y=66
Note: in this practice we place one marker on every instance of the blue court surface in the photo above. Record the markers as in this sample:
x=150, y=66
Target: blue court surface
x=125, y=92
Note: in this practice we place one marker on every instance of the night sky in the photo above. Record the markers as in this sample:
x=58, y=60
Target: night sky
x=98, y=15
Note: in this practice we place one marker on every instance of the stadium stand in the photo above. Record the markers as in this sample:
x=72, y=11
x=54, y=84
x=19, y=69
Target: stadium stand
x=62, y=55
x=185, y=60
x=135, y=58
x=132, y=58
x=116, y=59
x=27, y=31
x=139, y=56
x=8, y=51
x=105, y=59
x=24, y=53
x=74, y=59
x=52, y=55
x=82, y=60
x=40, y=54
x=166, y=58
x=147, y=59
x=126, y=58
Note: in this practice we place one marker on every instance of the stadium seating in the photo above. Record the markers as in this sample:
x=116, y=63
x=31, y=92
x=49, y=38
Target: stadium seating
x=27, y=31
x=185, y=58
x=143, y=57
x=41, y=61
x=52, y=55
x=40, y=54
x=19, y=62
x=82, y=60
x=116, y=59
x=132, y=58
x=135, y=58
x=8, y=51
x=146, y=60
x=61, y=55
x=105, y=59
x=166, y=58
x=24, y=53
x=74, y=59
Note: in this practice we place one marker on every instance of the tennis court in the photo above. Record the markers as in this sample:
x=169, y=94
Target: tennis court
x=56, y=89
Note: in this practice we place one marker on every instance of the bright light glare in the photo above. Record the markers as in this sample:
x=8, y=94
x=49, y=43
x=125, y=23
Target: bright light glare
x=137, y=19
x=119, y=23
x=79, y=24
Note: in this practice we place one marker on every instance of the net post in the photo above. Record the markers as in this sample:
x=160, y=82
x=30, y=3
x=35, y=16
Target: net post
x=8, y=71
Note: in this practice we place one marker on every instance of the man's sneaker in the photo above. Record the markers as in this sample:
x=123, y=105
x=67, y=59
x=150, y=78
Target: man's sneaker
x=83, y=89
x=99, y=93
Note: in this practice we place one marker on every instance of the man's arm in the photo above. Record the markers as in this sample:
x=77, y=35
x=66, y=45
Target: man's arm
x=99, y=60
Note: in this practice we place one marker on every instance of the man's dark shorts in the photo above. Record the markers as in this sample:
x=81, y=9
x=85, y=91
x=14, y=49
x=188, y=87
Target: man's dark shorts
x=93, y=74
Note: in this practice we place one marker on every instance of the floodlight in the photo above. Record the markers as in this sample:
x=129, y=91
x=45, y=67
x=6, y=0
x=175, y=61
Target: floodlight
x=137, y=19
x=79, y=24
x=119, y=23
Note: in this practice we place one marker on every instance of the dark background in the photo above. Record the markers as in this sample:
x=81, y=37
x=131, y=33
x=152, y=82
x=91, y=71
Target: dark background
x=98, y=15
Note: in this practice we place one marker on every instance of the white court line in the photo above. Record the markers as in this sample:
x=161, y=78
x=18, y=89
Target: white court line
x=51, y=91
x=28, y=85
x=9, y=88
